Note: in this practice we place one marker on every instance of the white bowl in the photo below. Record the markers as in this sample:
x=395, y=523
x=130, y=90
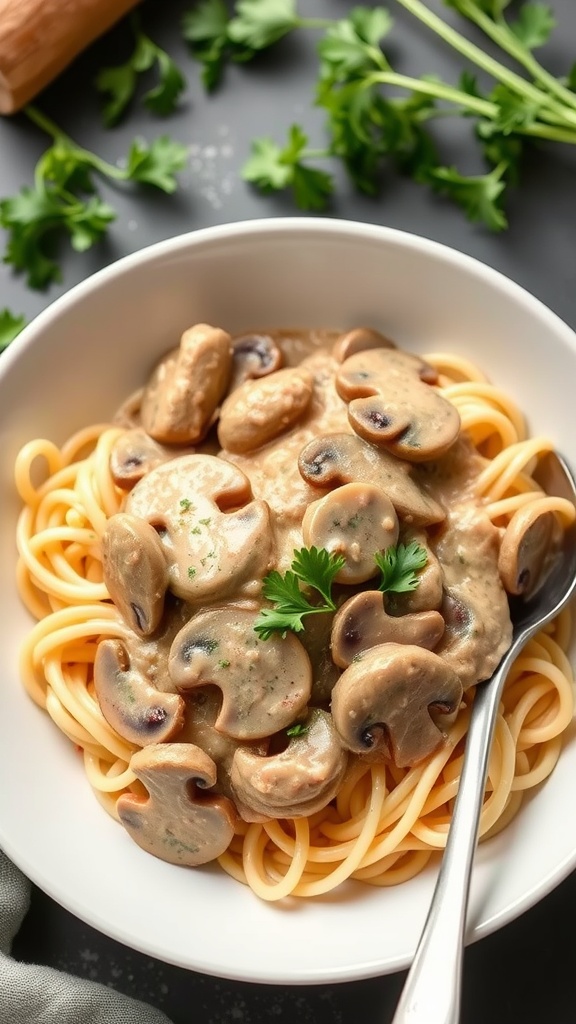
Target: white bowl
x=73, y=366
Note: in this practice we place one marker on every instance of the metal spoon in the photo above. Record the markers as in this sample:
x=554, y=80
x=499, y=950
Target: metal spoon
x=431, y=993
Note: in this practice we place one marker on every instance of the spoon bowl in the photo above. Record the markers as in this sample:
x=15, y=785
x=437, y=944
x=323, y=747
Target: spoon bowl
x=431, y=993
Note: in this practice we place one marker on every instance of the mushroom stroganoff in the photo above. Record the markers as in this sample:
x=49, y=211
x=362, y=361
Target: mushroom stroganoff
x=267, y=589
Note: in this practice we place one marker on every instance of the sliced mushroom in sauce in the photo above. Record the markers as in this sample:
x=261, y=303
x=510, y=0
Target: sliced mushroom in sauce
x=264, y=684
x=254, y=356
x=185, y=389
x=133, y=707
x=216, y=539
x=260, y=410
x=177, y=821
x=335, y=459
x=356, y=521
x=362, y=622
x=529, y=540
x=392, y=404
x=297, y=782
x=396, y=698
x=135, y=571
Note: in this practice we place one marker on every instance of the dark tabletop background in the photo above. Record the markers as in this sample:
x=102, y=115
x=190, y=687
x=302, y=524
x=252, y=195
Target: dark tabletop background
x=527, y=971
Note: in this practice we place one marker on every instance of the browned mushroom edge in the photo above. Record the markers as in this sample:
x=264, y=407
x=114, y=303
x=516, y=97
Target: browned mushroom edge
x=133, y=707
x=392, y=404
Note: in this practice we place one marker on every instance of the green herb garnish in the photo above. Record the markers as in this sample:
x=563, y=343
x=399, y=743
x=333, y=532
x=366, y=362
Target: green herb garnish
x=297, y=730
x=400, y=567
x=119, y=83
x=10, y=327
x=313, y=567
x=377, y=116
x=63, y=199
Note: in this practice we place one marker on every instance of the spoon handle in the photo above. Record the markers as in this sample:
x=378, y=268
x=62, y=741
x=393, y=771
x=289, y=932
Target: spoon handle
x=431, y=993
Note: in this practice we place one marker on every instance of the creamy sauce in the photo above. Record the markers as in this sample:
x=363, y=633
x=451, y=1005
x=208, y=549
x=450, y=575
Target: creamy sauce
x=225, y=522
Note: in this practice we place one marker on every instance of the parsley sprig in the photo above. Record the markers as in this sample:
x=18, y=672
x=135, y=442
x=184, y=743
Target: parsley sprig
x=400, y=567
x=64, y=200
x=10, y=327
x=376, y=116
x=215, y=37
x=119, y=83
x=316, y=568
x=313, y=567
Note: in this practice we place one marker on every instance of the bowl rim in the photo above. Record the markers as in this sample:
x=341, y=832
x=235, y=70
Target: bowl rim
x=355, y=230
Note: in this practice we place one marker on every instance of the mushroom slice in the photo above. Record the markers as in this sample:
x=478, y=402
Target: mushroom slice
x=186, y=387
x=297, y=782
x=134, y=454
x=529, y=539
x=391, y=404
x=362, y=623
x=135, y=571
x=396, y=697
x=176, y=822
x=253, y=356
x=258, y=411
x=210, y=551
x=265, y=684
x=136, y=710
x=335, y=459
x=355, y=521
x=359, y=340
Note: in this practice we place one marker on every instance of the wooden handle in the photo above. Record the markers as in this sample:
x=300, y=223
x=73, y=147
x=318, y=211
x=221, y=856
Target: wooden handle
x=38, y=38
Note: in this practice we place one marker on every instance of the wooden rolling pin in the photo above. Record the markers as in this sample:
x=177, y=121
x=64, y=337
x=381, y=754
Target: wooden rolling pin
x=38, y=38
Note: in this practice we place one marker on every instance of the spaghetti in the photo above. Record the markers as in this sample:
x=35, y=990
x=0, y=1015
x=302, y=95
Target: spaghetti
x=385, y=822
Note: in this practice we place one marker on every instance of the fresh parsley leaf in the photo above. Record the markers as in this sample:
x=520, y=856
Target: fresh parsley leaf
x=571, y=80
x=514, y=113
x=119, y=83
x=534, y=25
x=10, y=327
x=313, y=567
x=258, y=25
x=317, y=567
x=64, y=201
x=351, y=48
x=400, y=567
x=299, y=729
x=478, y=195
x=206, y=29
x=157, y=163
x=274, y=168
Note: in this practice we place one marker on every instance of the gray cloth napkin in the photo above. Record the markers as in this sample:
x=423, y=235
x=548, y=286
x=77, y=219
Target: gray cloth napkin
x=31, y=994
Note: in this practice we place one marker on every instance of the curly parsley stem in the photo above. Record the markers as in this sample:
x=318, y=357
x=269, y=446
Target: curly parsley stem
x=489, y=64
x=507, y=41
